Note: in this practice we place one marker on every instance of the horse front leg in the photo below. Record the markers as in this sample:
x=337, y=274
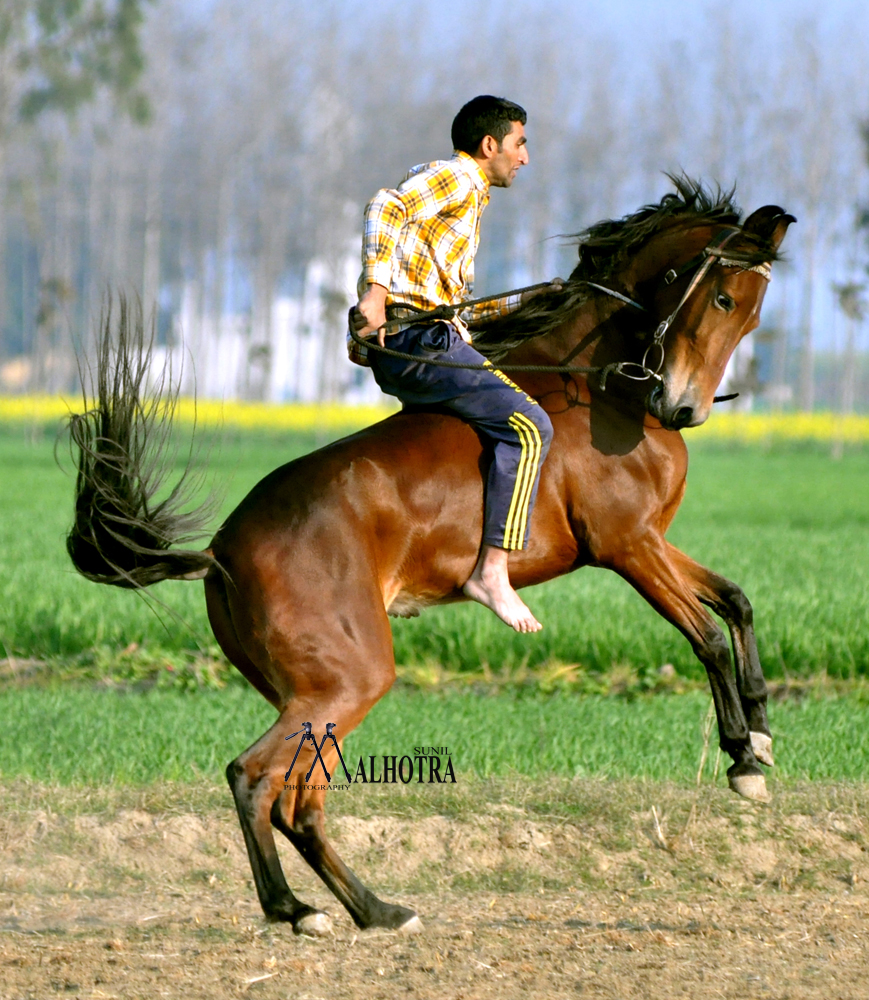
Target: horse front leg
x=655, y=569
x=729, y=602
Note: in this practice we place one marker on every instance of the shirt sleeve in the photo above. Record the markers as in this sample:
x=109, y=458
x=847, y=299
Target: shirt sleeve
x=486, y=311
x=436, y=190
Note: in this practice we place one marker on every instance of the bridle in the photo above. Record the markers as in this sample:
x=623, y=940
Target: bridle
x=712, y=253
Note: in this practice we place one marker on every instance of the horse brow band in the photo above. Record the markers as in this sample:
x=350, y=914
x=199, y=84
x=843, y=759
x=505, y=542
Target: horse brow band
x=764, y=269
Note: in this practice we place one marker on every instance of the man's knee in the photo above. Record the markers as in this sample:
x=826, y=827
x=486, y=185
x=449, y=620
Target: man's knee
x=540, y=418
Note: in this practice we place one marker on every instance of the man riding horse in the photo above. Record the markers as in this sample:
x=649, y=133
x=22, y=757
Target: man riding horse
x=300, y=578
x=418, y=251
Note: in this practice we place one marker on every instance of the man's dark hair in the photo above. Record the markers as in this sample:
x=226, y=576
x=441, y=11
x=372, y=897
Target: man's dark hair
x=484, y=116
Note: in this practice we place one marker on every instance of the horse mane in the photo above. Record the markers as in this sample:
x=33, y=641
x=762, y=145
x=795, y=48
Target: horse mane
x=607, y=246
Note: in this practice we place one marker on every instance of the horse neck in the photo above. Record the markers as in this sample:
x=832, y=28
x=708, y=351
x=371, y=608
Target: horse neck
x=600, y=332
x=605, y=329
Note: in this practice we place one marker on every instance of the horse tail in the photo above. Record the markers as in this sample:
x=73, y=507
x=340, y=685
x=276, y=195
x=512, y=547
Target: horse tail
x=122, y=534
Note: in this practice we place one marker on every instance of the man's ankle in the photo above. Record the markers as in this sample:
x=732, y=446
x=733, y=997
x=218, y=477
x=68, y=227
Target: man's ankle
x=492, y=561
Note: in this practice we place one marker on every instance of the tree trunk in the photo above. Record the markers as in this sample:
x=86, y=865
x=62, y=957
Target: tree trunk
x=153, y=220
x=806, y=391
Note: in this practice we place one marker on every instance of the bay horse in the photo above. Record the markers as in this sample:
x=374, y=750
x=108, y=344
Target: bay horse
x=301, y=577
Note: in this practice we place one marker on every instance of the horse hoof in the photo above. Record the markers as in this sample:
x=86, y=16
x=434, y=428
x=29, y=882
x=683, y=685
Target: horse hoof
x=761, y=744
x=412, y=926
x=314, y=925
x=750, y=786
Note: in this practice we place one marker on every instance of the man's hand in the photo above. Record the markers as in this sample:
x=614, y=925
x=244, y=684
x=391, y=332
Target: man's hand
x=556, y=285
x=370, y=313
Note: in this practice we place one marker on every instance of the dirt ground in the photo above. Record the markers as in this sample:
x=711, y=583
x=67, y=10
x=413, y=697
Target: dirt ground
x=698, y=897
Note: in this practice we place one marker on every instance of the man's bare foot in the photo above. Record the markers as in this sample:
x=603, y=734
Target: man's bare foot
x=489, y=585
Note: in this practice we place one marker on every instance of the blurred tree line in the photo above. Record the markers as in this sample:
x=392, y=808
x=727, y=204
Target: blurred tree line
x=214, y=158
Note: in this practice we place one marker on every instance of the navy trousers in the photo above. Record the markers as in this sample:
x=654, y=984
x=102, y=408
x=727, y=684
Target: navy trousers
x=515, y=425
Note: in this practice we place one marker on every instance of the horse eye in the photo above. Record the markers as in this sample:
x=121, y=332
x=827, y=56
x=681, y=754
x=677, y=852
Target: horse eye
x=724, y=302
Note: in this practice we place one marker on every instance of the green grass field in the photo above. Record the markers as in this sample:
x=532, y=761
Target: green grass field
x=78, y=736
x=790, y=526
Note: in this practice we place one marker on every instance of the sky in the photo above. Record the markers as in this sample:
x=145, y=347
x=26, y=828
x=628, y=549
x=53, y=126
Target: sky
x=638, y=26
x=635, y=37
x=640, y=34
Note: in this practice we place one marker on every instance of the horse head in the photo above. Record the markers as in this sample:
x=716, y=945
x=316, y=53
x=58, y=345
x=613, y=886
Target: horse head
x=710, y=292
x=694, y=274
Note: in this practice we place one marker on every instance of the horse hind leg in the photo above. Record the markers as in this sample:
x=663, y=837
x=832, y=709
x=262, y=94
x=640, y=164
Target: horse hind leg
x=256, y=784
x=299, y=812
x=331, y=675
x=256, y=781
x=299, y=815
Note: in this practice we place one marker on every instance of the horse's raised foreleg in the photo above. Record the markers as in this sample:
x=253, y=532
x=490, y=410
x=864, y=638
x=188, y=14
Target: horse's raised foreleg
x=731, y=604
x=658, y=571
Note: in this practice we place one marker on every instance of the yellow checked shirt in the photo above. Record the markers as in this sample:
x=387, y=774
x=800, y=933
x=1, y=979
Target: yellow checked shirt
x=420, y=240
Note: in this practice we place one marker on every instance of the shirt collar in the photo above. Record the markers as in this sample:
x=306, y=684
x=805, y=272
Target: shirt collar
x=473, y=169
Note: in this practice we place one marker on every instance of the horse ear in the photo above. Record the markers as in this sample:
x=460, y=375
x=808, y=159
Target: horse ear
x=769, y=223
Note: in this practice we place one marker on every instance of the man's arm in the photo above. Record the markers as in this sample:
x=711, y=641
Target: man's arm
x=370, y=313
x=486, y=311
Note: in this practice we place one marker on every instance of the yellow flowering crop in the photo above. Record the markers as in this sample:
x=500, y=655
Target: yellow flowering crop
x=761, y=428
x=280, y=416
x=747, y=428
x=213, y=413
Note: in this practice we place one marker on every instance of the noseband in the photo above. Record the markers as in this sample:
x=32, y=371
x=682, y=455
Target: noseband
x=711, y=254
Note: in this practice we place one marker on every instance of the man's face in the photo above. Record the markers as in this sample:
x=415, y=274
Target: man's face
x=505, y=161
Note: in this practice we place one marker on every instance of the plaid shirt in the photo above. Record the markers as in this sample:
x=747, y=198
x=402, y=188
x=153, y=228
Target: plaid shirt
x=420, y=240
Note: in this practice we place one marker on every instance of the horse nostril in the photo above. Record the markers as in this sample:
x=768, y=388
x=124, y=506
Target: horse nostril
x=656, y=393
x=683, y=416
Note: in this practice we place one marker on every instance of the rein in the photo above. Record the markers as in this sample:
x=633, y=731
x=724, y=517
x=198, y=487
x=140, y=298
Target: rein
x=711, y=254
x=445, y=312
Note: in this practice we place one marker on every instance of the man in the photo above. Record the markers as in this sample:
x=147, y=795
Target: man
x=418, y=250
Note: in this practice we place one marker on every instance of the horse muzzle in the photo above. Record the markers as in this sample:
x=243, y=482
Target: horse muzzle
x=675, y=414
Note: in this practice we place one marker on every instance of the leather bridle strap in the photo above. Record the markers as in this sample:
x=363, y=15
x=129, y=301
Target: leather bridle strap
x=613, y=294
x=710, y=255
x=616, y=295
x=702, y=262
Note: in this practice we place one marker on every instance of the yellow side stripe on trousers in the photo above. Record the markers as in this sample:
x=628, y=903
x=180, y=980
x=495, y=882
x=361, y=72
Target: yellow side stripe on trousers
x=531, y=447
x=517, y=486
x=517, y=518
x=534, y=468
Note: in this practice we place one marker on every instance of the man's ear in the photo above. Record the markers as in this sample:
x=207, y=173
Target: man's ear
x=488, y=147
